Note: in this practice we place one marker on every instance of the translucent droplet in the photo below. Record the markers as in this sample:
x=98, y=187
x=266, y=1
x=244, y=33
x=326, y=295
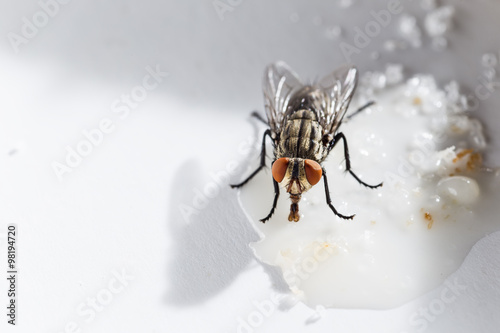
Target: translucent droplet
x=378, y=80
x=392, y=45
x=428, y=4
x=333, y=32
x=346, y=3
x=394, y=73
x=439, y=43
x=479, y=140
x=317, y=20
x=490, y=73
x=409, y=29
x=438, y=21
x=452, y=92
x=459, y=189
x=294, y=17
x=489, y=60
x=375, y=55
x=471, y=102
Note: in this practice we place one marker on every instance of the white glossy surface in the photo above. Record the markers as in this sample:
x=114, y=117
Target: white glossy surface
x=120, y=208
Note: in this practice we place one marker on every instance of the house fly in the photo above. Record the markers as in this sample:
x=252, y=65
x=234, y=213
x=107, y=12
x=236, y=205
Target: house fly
x=303, y=124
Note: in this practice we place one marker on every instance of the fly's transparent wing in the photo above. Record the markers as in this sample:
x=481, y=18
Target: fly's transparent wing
x=280, y=82
x=339, y=88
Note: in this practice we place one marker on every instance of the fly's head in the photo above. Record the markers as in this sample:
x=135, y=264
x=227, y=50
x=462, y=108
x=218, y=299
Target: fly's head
x=296, y=175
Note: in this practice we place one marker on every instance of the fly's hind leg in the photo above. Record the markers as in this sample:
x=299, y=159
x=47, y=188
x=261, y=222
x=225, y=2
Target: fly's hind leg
x=258, y=116
x=336, y=139
x=361, y=109
x=262, y=160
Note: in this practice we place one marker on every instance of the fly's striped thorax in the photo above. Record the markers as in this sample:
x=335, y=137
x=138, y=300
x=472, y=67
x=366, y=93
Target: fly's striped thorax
x=301, y=137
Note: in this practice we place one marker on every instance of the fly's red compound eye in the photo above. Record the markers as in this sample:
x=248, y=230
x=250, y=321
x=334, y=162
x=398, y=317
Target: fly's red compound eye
x=313, y=171
x=279, y=168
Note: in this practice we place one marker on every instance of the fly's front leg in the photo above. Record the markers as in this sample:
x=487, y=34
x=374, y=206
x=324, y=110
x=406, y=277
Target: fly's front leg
x=329, y=200
x=262, y=160
x=336, y=138
x=276, y=196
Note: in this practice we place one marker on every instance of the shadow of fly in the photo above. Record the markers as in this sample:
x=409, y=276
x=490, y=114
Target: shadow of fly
x=304, y=123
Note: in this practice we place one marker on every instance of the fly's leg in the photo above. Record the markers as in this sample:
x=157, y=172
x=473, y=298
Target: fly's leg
x=262, y=160
x=276, y=196
x=258, y=116
x=329, y=200
x=336, y=139
x=361, y=109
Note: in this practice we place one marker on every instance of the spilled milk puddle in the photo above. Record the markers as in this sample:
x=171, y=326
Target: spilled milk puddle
x=408, y=236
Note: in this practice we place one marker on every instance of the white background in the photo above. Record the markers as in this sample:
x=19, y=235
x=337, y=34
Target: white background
x=118, y=211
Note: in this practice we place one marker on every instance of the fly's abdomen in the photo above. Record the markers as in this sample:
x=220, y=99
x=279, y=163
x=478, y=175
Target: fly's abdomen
x=301, y=137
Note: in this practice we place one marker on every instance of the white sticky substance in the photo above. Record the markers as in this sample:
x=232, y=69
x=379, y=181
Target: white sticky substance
x=407, y=236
